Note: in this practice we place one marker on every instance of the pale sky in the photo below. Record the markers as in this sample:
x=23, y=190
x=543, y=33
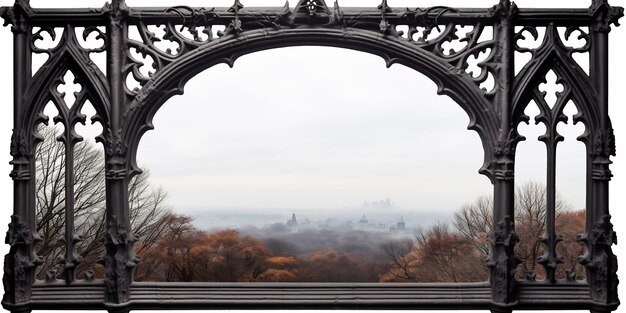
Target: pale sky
x=318, y=127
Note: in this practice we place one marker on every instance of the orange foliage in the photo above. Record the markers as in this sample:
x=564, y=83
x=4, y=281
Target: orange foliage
x=438, y=255
x=186, y=254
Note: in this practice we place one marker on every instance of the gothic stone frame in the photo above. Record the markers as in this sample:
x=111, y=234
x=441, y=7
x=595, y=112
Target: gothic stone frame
x=126, y=114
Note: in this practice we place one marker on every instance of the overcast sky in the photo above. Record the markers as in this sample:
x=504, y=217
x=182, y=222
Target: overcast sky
x=313, y=127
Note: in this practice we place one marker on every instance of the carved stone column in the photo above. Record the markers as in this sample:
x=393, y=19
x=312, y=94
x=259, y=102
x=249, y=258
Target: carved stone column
x=600, y=261
x=501, y=260
x=21, y=261
x=120, y=259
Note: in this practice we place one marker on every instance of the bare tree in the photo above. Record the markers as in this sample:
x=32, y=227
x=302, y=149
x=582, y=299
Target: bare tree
x=147, y=205
x=438, y=254
x=398, y=253
x=455, y=255
x=475, y=220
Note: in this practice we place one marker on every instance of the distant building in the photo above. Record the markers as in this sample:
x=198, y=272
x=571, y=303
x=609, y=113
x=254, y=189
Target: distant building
x=292, y=224
x=363, y=223
x=399, y=228
x=381, y=204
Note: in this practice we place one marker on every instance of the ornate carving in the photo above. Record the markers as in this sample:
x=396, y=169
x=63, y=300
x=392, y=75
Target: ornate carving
x=504, y=234
x=507, y=143
x=17, y=16
x=115, y=149
x=119, y=260
x=384, y=26
x=115, y=146
x=604, y=143
x=550, y=260
x=602, y=232
x=311, y=11
x=601, y=261
x=504, y=10
x=604, y=15
x=19, y=263
x=19, y=144
x=199, y=17
x=425, y=46
x=603, y=148
x=117, y=10
x=504, y=154
x=235, y=26
x=18, y=233
x=502, y=260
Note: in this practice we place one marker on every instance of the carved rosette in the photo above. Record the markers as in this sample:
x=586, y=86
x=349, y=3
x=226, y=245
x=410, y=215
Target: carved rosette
x=502, y=260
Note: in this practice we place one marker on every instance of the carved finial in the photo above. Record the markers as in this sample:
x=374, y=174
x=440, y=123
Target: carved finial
x=17, y=16
x=338, y=14
x=235, y=26
x=505, y=4
x=236, y=7
x=504, y=9
x=283, y=17
x=384, y=7
x=604, y=15
x=312, y=11
x=385, y=27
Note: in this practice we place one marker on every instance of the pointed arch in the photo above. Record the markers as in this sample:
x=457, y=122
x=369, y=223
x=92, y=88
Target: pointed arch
x=553, y=55
x=69, y=57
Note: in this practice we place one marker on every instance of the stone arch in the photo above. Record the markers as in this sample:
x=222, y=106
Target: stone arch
x=68, y=57
x=450, y=81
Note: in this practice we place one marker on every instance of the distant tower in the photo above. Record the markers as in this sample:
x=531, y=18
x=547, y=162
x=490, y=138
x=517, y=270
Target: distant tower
x=363, y=223
x=292, y=224
x=399, y=228
x=401, y=225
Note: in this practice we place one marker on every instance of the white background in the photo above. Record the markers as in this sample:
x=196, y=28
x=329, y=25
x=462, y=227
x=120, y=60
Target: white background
x=617, y=111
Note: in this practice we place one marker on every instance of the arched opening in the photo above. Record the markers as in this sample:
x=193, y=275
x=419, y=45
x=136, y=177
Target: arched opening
x=338, y=173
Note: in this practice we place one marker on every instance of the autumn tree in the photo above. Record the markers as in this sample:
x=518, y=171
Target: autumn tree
x=436, y=255
x=440, y=248
x=330, y=265
x=147, y=204
x=185, y=254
